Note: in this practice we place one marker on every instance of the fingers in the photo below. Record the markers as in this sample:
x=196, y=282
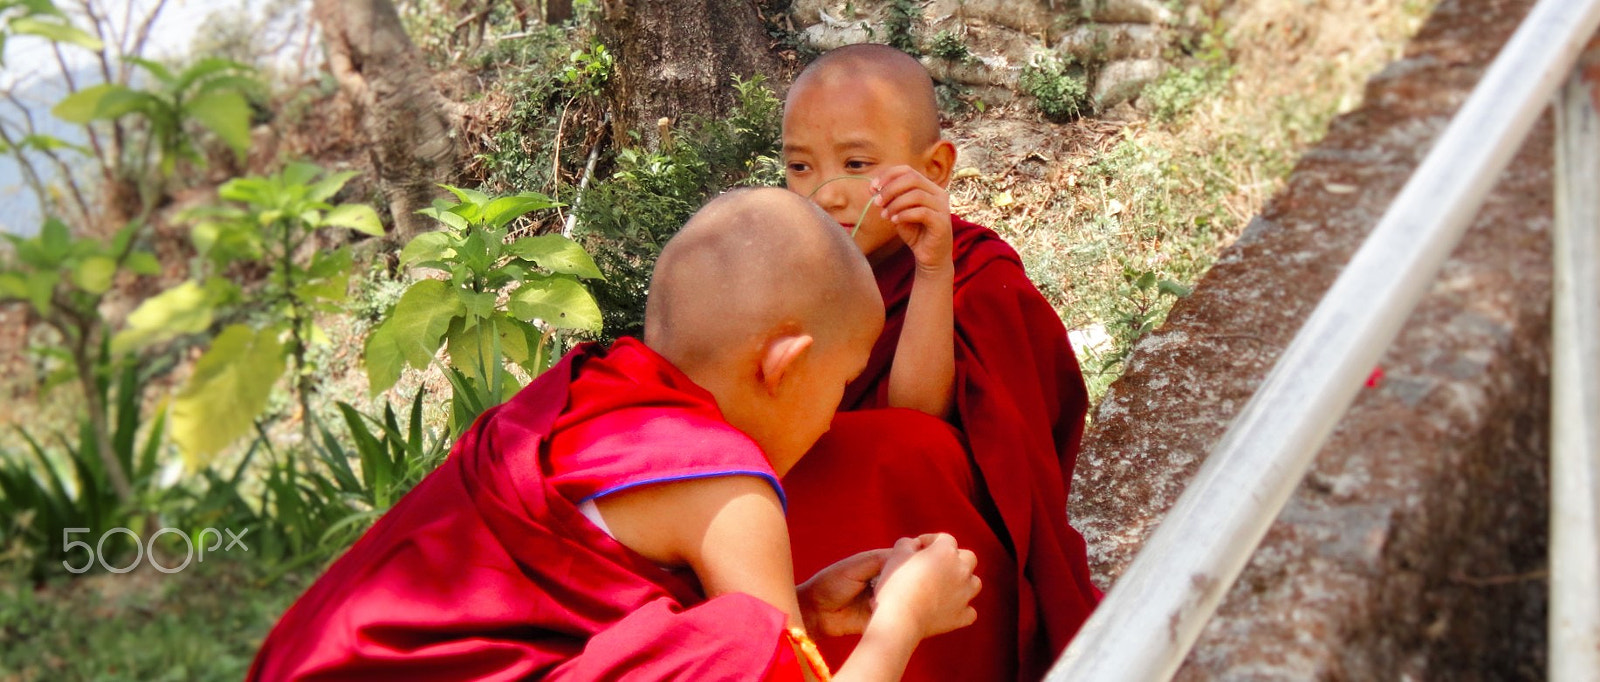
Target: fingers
x=901, y=188
x=864, y=566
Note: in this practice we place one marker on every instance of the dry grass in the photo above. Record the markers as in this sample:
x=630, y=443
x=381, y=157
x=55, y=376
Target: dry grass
x=1093, y=204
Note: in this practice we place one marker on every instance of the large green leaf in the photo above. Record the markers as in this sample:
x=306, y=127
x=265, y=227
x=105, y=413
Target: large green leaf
x=154, y=68
x=228, y=390
x=412, y=334
x=143, y=263
x=41, y=286
x=227, y=114
x=328, y=278
x=562, y=302
x=329, y=186
x=208, y=69
x=94, y=274
x=103, y=102
x=428, y=246
x=444, y=215
x=506, y=209
x=252, y=190
x=469, y=196
x=556, y=253
x=56, y=30
x=12, y=285
x=359, y=217
x=49, y=143
x=183, y=309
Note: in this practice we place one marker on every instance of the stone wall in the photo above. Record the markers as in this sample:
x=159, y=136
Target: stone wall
x=1415, y=547
x=1119, y=42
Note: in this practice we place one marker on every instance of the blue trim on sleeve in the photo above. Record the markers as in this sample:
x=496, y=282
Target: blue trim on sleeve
x=783, y=500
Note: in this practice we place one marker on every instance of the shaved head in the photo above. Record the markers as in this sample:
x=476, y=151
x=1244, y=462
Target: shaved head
x=901, y=75
x=753, y=264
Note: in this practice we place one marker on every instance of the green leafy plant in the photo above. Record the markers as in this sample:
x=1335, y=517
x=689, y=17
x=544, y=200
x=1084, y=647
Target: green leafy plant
x=64, y=279
x=212, y=93
x=949, y=47
x=38, y=502
x=625, y=218
x=312, y=508
x=43, y=19
x=514, y=294
x=1060, y=89
x=1139, y=306
x=588, y=70
x=901, y=16
x=269, y=221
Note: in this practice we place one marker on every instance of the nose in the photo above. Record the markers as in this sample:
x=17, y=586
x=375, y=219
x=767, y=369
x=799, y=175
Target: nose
x=832, y=196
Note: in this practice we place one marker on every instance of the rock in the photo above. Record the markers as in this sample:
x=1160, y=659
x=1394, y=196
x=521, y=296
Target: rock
x=1121, y=81
x=1102, y=42
x=1412, y=549
x=1131, y=11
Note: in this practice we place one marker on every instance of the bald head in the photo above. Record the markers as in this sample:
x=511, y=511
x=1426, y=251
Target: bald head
x=752, y=264
x=899, y=74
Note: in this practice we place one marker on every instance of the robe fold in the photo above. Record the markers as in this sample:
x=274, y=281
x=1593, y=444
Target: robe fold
x=997, y=478
x=488, y=570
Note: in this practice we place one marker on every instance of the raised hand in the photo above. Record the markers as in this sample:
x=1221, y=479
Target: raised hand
x=919, y=209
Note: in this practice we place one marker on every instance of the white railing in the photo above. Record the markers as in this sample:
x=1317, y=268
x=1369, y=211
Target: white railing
x=1575, y=393
x=1155, y=611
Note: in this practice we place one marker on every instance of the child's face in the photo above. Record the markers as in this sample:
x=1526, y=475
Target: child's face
x=833, y=129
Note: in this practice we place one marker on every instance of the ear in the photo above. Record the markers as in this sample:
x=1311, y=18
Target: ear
x=939, y=162
x=781, y=355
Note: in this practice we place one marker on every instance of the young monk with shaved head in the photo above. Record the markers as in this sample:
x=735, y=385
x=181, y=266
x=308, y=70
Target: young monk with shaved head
x=620, y=518
x=985, y=399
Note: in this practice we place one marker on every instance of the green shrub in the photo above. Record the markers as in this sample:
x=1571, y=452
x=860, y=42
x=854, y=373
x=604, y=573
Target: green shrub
x=945, y=45
x=541, y=278
x=37, y=503
x=902, y=15
x=1059, y=88
x=1178, y=90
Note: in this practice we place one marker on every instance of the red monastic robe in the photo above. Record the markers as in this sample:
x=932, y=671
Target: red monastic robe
x=997, y=478
x=489, y=571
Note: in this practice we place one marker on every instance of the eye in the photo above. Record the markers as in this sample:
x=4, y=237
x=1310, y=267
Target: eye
x=857, y=165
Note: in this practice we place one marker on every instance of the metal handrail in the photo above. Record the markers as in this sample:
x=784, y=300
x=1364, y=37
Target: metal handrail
x=1575, y=393
x=1154, y=613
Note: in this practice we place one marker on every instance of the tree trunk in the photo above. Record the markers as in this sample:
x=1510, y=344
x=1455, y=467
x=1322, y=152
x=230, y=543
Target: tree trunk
x=557, y=11
x=410, y=127
x=679, y=57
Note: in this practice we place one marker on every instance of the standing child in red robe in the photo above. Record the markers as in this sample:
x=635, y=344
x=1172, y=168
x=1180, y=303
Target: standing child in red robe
x=987, y=399
x=620, y=518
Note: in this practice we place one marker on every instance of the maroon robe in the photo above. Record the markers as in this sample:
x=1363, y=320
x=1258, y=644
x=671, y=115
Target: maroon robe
x=489, y=571
x=997, y=478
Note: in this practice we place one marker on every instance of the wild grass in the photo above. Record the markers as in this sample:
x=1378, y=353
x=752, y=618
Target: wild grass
x=1116, y=229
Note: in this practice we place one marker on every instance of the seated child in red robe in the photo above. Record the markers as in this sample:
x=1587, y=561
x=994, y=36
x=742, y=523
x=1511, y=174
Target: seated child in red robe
x=993, y=398
x=620, y=518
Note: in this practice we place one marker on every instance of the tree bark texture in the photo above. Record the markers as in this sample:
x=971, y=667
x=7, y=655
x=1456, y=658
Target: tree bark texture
x=679, y=57
x=410, y=127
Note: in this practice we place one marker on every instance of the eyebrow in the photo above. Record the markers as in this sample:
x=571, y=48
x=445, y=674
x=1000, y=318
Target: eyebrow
x=852, y=144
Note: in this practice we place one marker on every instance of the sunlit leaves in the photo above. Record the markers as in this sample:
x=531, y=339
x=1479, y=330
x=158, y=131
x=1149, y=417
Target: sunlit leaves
x=229, y=388
x=184, y=309
x=212, y=93
x=499, y=293
x=556, y=253
x=560, y=302
x=413, y=333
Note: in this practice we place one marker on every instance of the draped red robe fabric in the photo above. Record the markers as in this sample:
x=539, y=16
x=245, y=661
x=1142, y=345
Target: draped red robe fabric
x=997, y=478
x=488, y=571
